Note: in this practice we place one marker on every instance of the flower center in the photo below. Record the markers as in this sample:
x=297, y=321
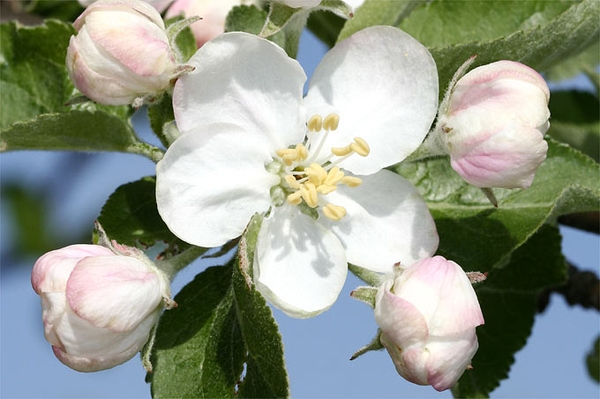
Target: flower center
x=306, y=182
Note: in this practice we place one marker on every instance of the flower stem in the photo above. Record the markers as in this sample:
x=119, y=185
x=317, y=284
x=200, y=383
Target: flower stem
x=155, y=154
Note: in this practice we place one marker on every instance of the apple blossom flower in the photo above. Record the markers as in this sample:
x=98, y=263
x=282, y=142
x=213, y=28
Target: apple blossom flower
x=494, y=125
x=251, y=144
x=160, y=5
x=427, y=315
x=212, y=12
x=98, y=305
x=121, y=53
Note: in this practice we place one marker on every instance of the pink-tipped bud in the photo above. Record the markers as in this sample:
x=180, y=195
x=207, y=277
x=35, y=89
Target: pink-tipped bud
x=121, y=52
x=427, y=316
x=495, y=123
x=98, y=306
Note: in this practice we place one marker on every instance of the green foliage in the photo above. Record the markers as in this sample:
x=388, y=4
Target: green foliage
x=33, y=77
x=34, y=92
x=130, y=217
x=576, y=121
x=478, y=236
x=593, y=361
x=508, y=299
x=221, y=327
x=252, y=19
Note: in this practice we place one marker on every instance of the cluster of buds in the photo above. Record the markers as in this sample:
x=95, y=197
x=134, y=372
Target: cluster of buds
x=428, y=314
x=99, y=303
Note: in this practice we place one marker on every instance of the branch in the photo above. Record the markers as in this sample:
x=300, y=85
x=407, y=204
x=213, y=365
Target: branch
x=582, y=288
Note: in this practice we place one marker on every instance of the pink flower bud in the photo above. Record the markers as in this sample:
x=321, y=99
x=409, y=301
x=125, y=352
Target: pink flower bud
x=121, y=52
x=212, y=12
x=427, y=317
x=495, y=123
x=98, y=306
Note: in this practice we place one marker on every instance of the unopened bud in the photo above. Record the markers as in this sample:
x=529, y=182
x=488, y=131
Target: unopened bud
x=98, y=306
x=121, y=53
x=427, y=316
x=494, y=125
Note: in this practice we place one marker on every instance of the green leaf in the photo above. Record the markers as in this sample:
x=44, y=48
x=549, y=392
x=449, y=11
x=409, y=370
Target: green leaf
x=379, y=12
x=587, y=60
x=266, y=375
x=130, y=217
x=71, y=131
x=508, y=300
x=162, y=119
x=199, y=350
x=251, y=19
x=184, y=42
x=33, y=77
x=326, y=26
x=593, y=361
x=478, y=236
x=202, y=345
x=65, y=10
x=576, y=121
x=279, y=15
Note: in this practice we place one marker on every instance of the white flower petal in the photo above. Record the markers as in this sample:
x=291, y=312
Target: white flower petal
x=300, y=267
x=384, y=86
x=208, y=186
x=386, y=222
x=244, y=80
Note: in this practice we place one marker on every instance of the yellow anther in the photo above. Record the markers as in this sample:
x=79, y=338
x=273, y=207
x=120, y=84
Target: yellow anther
x=315, y=123
x=316, y=174
x=331, y=122
x=352, y=181
x=292, y=182
x=333, y=177
x=295, y=198
x=291, y=155
x=301, y=152
x=309, y=194
x=324, y=189
x=360, y=147
x=334, y=212
x=342, y=151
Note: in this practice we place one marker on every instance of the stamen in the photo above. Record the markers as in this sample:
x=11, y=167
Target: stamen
x=331, y=122
x=342, y=151
x=295, y=198
x=292, y=182
x=352, y=181
x=333, y=177
x=334, y=212
x=316, y=174
x=361, y=147
x=323, y=189
x=309, y=194
x=315, y=123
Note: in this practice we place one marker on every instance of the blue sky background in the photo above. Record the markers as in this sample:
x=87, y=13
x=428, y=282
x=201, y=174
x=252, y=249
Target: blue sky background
x=552, y=365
